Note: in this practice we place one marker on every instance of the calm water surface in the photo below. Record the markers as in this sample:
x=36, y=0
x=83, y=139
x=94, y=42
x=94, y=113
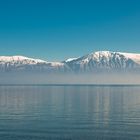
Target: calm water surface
x=69, y=112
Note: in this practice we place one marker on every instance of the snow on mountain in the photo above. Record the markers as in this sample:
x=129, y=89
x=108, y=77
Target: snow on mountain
x=104, y=60
x=21, y=63
x=96, y=61
x=20, y=59
x=135, y=57
x=70, y=59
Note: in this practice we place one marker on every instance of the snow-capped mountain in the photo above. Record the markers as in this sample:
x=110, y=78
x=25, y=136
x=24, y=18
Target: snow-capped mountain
x=21, y=63
x=105, y=60
x=19, y=60
x=96, y=61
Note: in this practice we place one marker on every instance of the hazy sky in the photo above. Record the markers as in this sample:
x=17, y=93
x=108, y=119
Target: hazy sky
x=59, y=29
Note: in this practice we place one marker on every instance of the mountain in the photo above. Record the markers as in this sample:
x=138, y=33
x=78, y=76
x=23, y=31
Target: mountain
x=94, y=62
x=21, y=63
x=105, y=60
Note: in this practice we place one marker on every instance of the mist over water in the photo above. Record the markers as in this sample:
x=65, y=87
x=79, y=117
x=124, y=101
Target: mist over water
x=92, y=78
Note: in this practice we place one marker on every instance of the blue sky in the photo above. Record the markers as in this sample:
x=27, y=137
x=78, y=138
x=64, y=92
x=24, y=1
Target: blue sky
x=59, y=29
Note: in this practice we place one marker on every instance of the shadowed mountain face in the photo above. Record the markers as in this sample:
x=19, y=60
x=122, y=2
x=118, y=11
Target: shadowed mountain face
x=103, y=61
x=94, y=62
x=25, y=64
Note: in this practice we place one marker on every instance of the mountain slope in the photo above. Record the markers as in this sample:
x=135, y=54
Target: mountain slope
x=94, y=62
x=21, y=63
x=135, y=57
x=105, y=60
x=19, y=59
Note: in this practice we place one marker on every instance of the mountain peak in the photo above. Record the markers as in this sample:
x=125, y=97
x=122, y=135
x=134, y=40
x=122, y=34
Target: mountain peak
x=96, y=61
x=134, y=56
x=19, y=58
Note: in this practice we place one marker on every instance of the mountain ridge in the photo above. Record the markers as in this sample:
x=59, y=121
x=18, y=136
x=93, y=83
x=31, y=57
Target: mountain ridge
x=95, y=61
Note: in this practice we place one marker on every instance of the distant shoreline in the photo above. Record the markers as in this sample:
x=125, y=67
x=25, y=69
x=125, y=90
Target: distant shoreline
x=105, y=85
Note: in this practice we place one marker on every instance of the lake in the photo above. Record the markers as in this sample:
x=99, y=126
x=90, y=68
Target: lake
x=69, y=112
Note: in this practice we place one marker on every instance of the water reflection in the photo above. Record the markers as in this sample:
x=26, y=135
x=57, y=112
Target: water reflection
x=69, y=112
